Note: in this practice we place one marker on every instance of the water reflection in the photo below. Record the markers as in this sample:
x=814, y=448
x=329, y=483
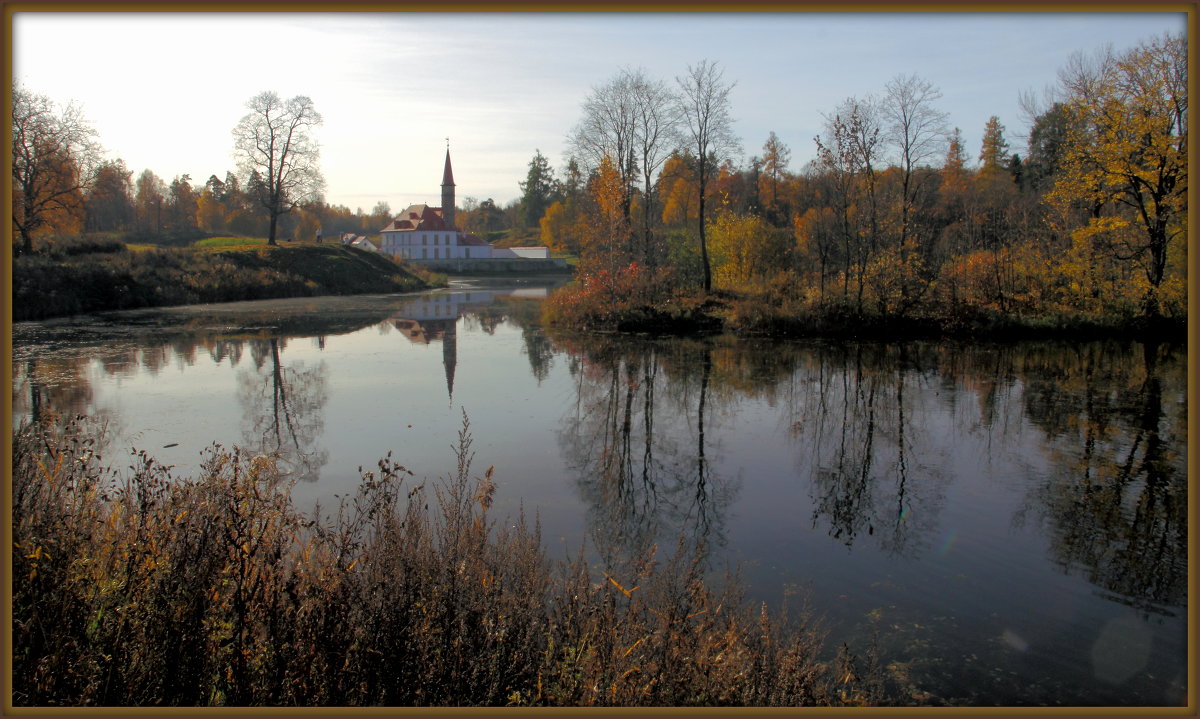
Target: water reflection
x=860, y=435
x=1092, y=436
x=1116, y=504
x=57, y=385
x=282, y=410
x=635, y=443
x=434, y=317
x=870, y=425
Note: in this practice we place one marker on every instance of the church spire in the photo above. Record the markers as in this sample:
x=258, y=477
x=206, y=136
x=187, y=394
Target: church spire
x=448, y=190
x=450, y=355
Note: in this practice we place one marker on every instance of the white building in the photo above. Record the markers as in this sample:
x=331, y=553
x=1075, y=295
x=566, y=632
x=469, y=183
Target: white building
x=363, y=243
x=422, y=232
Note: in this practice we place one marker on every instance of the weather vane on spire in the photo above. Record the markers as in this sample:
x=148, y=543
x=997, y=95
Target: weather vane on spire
x=447, y=144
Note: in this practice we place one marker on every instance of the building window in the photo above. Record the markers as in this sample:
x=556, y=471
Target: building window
x=424, y=253
x=467, y=252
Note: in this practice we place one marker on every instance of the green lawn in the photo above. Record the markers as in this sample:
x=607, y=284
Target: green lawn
x=225, y=243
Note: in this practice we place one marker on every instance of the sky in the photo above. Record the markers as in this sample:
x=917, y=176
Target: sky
x=164, y=90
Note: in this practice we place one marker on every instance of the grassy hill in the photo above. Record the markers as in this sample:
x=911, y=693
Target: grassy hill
x=115, y=276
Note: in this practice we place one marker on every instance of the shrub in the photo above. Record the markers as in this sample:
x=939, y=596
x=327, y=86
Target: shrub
x=151, y=589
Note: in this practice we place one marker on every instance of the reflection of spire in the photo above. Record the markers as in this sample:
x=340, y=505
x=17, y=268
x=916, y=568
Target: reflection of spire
x=450, y=355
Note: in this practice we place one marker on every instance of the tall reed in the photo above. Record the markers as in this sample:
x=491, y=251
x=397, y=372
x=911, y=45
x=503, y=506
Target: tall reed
x=141, y=588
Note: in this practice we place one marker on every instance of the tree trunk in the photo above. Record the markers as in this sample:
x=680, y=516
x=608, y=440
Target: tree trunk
x=703, y=237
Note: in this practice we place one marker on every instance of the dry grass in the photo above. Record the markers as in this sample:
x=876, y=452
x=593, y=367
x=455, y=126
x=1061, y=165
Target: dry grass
x=140, y=588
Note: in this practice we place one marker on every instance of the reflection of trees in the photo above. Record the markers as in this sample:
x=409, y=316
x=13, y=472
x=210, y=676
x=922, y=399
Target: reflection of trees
x=539, y=350
x=1116, y=495
x=636, y=441
x=51, y=386
x=856, y=427
x=282, y=409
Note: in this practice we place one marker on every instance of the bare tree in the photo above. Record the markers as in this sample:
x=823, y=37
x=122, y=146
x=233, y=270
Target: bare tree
x=274, y=146
x=656, y=124
x=866, y=139
x=918, y=131
x=53, y=159
x=708, y=128
x=607, y=129
x=632, y=120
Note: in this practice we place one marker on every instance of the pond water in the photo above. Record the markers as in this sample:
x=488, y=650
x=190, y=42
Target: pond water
x=1009, y=521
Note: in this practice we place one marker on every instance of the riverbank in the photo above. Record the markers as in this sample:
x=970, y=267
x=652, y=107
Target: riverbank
x=115, y=277
x=214, y=590
x=636, y=305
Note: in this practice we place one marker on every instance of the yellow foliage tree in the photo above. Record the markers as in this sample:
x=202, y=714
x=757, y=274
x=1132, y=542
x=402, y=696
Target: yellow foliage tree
x=606, y=242
x=560, y=226
x=1126, y=157
x=210, y=212
x=680, y=193
x=745, y=248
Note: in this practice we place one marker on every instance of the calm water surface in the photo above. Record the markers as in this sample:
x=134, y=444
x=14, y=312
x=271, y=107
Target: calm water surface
x=1010, y=521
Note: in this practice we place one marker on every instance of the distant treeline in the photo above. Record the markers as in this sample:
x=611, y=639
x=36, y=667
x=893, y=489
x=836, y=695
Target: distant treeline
x=893, y=221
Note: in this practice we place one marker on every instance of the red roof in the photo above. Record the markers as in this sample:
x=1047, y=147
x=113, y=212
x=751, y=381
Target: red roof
x=418, y=217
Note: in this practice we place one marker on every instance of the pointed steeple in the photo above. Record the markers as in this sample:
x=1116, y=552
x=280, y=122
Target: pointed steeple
x=450, y=355
x=448, y=190
x=448, y=174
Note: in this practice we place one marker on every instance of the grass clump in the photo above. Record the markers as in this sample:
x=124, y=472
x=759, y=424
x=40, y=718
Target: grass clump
x=142, y=588
x=229, y=242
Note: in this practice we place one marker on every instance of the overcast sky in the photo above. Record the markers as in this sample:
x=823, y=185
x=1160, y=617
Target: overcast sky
x=164, y=90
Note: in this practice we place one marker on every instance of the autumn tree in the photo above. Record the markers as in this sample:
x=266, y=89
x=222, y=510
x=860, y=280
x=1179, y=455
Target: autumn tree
x=708, y=127
x=955, y=199
x=775, y=159
x=632, y=121
x=993, y=154
x=109, y=202
x=275, y=147
x=181, y=204
x=560, y=227
x=210, y=206
x=1126, y=154
x=677, y=188
x=839, y=166
x=816, y=233
x=149, y=201
x=746, y=248
x=606, y=243
x=53, y=156
x=955, y=166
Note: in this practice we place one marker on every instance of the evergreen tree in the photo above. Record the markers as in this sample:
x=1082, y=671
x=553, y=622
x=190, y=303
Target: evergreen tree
x=539, y=190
